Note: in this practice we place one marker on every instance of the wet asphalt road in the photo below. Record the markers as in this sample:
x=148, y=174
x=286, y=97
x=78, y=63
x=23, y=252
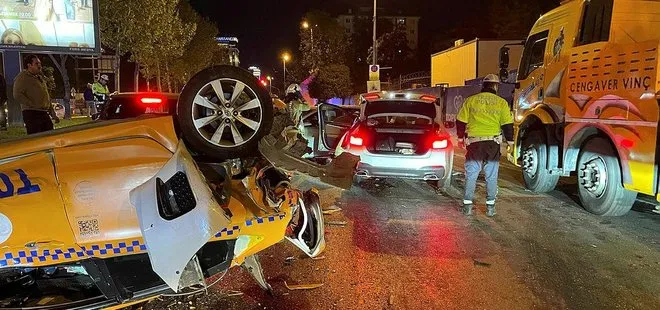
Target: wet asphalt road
x=406, y=246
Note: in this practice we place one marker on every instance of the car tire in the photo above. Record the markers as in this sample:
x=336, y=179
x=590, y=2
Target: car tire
x=602, y=197
x=227, y=127
x=535, y=158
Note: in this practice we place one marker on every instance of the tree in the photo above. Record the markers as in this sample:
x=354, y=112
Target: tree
x=325, y=43
x=333, y=81
x=61, y=66
x=359, y=52
x=49, y=77
x=512, y=19
x=393, y=50
x=202, y=50
x=155, y=35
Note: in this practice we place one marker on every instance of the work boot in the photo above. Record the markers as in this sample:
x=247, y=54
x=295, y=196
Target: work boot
x=467, y=209
x=490, y=210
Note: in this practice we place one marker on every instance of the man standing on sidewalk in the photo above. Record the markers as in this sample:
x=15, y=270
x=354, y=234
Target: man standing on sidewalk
x=480, y=123
x=31, y=92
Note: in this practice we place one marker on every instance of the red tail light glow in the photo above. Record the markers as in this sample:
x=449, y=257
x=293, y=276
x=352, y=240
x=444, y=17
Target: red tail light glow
x=373, y=96
x=151, y=100
x=428, y=97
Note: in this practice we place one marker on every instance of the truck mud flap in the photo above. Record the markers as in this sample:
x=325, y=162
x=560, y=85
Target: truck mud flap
x=338, y=173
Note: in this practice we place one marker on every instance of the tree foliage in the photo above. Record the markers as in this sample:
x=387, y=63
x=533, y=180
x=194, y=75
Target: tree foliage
x=49, y=76
x=324, y=43
x=393, y=51
x=202, y=50
x=332, y=81
x=512, y=19
x=168, y=39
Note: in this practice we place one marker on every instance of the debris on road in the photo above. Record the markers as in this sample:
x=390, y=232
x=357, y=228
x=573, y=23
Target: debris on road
x=337, y=223
x=233, y=293
x=318, y=258
x=479, y=263
x=391, y=300
x=302, y=286
x=331, y=210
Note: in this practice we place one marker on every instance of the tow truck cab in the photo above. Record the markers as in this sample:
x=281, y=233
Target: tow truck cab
x=585, y=103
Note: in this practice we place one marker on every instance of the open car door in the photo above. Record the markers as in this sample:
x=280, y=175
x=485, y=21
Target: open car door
x=340, y=171
x=334, y=123
x=178, y=214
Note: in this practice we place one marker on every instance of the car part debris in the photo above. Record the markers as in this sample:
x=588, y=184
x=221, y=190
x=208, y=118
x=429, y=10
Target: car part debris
x=253, y=266
x=338, y=173
x=302, y=286
x=337, y=223
x=331, y=210
x=233, y=293
x=479, y=263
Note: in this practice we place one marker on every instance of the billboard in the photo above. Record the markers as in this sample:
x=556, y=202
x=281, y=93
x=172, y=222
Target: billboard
x=63, y=26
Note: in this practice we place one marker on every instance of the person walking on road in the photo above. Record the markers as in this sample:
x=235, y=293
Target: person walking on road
x=480, y=124
x=31, y=92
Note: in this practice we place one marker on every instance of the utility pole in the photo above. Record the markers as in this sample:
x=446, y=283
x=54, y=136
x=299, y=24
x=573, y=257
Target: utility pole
x=375, y=48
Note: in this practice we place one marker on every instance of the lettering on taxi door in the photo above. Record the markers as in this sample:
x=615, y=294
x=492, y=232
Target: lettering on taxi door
x=7, y=190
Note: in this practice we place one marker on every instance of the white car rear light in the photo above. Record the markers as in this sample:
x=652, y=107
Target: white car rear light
x=440, y=144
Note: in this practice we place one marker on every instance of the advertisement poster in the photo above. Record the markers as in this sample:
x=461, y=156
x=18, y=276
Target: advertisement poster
x=65, y=26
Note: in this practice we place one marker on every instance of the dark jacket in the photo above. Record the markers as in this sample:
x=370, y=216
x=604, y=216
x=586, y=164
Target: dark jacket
x=88, y=94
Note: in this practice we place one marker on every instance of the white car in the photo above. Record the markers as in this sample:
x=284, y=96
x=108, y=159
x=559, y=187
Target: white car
x=396, y=135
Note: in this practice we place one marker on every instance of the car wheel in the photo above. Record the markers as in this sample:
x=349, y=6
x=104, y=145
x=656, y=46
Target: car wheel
x=223, y=113
x=600, y=186
x=535, y=158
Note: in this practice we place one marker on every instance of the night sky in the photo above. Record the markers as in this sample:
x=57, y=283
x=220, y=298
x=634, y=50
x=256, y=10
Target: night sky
x=266, y=28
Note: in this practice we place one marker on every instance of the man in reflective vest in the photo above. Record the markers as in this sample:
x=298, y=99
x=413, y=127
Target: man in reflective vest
x=480, y=124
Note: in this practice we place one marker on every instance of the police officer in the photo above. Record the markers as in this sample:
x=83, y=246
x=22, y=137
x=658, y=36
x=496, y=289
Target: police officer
x=100, y=87
x=480, y=124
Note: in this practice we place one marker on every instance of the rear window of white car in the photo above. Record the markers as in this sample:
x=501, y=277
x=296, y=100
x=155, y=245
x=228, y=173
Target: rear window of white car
x=400, y=107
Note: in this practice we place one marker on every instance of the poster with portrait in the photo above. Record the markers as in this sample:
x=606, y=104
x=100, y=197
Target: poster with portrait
x=63, y=26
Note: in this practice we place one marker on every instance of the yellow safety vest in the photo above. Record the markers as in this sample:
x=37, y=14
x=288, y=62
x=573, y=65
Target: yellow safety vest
x=485, y=113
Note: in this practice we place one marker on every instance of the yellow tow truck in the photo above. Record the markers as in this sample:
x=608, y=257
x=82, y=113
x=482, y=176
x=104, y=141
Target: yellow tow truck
x=586, y=102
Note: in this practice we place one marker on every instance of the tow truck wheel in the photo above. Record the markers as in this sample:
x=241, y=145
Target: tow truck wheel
x=223, y=113
x=600, y=186
x=535, y=158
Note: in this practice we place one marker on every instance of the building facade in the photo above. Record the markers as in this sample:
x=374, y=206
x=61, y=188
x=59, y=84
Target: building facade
x=230, y=43
x=410, y=23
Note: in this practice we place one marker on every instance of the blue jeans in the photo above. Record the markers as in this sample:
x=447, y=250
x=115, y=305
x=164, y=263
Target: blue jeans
x=482, y=155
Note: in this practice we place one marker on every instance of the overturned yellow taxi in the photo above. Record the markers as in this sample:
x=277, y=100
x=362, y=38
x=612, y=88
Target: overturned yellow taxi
x=116, y=211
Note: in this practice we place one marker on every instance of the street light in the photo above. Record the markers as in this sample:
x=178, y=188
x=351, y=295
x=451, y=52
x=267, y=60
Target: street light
x=285, y=58
x=270, y=82
x=306, y=26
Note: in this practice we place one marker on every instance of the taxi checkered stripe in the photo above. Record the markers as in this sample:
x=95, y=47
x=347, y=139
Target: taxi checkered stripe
x=28, y=257
x=228, y=232
x=261, y=220
x=109, y=248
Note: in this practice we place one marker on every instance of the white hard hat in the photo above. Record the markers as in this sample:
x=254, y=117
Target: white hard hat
x=492, y=78
x=104, y=77
x=293, y=88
